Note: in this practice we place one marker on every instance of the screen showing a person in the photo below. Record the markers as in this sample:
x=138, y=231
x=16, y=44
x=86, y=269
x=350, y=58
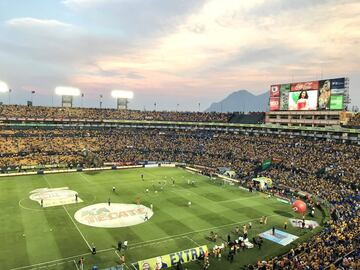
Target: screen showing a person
x=303, y=100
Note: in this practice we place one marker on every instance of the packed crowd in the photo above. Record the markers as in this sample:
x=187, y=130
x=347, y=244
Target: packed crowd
x=20, y=111
x=355, y=121
x=326, y=170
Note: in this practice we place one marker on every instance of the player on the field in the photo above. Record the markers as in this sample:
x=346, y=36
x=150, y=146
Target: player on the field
x=76, y=197
x=109, y=201
x=113, y=189
x=146, y=216
x=81, y=263
x=42, y=203
x=119, y=245
x=142, y=177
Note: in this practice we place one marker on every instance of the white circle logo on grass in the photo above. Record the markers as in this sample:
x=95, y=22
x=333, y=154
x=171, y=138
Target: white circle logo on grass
x=54, y=196
x=116, y=215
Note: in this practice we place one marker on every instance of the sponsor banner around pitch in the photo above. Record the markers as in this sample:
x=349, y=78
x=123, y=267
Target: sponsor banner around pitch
x=169, y=165
x=115, y=215
x=170, y=260
x=54, y=196
x=151, y=165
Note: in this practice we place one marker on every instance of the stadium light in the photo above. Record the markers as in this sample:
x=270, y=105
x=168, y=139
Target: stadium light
x=122, y=98
x=4, y=88
x=67, y=91
x=67, y=94
x=122, y=94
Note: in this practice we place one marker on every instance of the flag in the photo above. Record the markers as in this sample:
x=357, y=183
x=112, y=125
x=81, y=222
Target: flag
x=266, y=164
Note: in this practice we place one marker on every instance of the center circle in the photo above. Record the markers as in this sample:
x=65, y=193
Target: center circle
x=114, y=215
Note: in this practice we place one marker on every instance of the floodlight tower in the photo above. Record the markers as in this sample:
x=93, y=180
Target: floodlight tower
x=67, y=94
x=122, y=98
x=4, y=88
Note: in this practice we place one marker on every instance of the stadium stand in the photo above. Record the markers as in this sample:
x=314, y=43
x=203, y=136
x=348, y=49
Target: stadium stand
x=325, y=169
x=354, y=121
x=250, y=118
x=20, y=111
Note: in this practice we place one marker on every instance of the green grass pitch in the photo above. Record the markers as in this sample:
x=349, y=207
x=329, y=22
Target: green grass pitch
x=50, y=238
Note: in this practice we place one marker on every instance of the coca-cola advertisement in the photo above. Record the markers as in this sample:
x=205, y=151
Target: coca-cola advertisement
x=305, y=86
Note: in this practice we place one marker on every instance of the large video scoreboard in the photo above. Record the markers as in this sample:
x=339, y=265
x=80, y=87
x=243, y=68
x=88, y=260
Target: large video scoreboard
x=330, y=94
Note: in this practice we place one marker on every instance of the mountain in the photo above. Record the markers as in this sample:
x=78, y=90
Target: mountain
x=241, y=101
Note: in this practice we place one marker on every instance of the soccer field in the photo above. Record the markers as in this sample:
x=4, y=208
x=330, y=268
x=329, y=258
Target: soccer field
x=35, y=237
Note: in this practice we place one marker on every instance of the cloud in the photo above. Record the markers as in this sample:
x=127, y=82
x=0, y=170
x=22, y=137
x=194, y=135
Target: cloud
x=136, y=18
x=33, y=22
x=192, y=49
x=78, y=4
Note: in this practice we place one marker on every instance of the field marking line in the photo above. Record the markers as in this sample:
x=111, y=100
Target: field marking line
x=44, y=176
x=192, y=240
x=23, y=207
x=86, y=179
x=76, y=265
x=214, y=202
x=238, y=199
x=87, y=243
x=140, y=244
x=199, y=231
x=83, y=237
x=60, y=260
x=117, y=254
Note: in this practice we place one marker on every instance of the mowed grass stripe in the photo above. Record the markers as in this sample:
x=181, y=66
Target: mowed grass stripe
x=214, y=207
x=12, y=227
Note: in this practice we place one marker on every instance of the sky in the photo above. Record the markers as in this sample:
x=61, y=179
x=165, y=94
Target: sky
x=173, y=52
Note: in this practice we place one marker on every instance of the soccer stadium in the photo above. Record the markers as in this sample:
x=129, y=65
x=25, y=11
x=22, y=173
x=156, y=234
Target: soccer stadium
x=91, y=180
